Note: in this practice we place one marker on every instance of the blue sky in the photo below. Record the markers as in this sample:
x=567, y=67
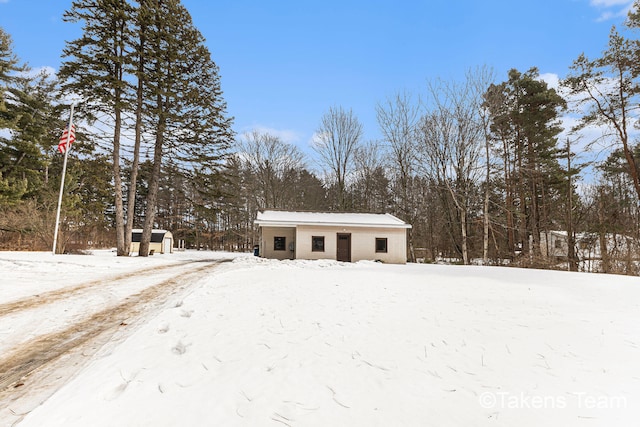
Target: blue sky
x=285, y=63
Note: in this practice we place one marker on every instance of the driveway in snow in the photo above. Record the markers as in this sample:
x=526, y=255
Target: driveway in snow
x=48, y=335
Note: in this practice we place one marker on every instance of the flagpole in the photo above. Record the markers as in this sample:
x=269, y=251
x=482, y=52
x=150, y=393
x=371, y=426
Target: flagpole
x=64, y=171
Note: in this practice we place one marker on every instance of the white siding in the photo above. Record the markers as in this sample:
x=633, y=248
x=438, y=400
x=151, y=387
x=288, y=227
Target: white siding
x=266, y=242
x=363, y=243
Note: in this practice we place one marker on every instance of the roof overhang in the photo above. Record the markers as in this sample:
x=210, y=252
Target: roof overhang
x=328, y=219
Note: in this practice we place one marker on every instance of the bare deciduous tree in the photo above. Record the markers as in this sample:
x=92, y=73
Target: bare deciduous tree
x=480, y=79
x=270, y=160
x=336, y=141
x=370, y=190
x=451, y=143
x=398, y=119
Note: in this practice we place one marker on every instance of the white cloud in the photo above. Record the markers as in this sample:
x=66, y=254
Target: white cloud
x=614, y=8
x=316, y=139
x=610, y=3
x=46, y=70
x=606, y=16
x=552, y=80
x=285, y=135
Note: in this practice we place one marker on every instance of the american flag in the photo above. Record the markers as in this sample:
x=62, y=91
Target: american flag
x=62, y=145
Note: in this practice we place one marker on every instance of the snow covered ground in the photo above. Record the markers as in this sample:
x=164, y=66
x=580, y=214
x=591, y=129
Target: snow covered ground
x=258, y=342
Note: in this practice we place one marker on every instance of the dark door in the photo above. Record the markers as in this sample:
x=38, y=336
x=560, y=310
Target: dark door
x=344, y=247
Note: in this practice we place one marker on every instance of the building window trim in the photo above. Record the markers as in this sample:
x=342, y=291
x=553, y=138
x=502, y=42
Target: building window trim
x=317, y=243
x=381, y=245
x=279, y=243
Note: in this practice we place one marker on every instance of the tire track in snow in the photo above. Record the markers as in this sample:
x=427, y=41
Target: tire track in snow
x=34, y=301
x=22, y=363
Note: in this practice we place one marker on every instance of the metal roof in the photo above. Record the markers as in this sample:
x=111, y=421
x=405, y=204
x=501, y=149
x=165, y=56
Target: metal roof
x=274, y=218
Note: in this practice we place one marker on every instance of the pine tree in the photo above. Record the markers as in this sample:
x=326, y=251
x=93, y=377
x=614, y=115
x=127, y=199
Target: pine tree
x=35, y=107
x=10, y=189
x=137, y=61
x=609, y=88
x=96, y=69
x=186, y=111
x=524, y=115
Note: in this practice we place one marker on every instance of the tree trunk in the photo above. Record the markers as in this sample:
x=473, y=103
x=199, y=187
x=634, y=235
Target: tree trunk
x=485, y=208
x=152, y=196
x=534, y=218
x=133, y=179
x=121, y=249
x=412, y=252
x=511, y=233
x=154, y=183
x=522, y=216
x=633, y=168
x=463, y=229
x=602, y=237
x=571, y=240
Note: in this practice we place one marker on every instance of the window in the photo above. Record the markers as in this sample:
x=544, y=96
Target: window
x=279, y=243
x=381, y=245
x=317, y=244
x=558, y=244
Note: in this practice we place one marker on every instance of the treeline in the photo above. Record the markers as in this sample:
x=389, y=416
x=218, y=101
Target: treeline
x=142, y=74
x=476, y=166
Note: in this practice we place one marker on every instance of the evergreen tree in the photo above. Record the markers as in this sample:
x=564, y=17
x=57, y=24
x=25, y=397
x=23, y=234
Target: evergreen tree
x=96, y=69
x=9, y=66
x=524, y=121
x=609, y=88
x=308, y=192
x=137, y=60
x=93, y=186
x=11, y=190
x=35, y=105
x=186, y=111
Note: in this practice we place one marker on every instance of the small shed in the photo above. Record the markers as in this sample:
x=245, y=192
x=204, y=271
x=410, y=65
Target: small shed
x=161, y=241
x=347, y=237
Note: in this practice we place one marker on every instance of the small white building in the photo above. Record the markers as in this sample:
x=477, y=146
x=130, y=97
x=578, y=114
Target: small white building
x=161, y=241
x=347, y=237
x=555, y=244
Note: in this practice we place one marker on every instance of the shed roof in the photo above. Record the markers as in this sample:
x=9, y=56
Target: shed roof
x=139, y=230
x=291, y=219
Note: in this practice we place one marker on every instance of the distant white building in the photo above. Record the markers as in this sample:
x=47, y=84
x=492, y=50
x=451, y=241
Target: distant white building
x=555, y=244
x=345, y=237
